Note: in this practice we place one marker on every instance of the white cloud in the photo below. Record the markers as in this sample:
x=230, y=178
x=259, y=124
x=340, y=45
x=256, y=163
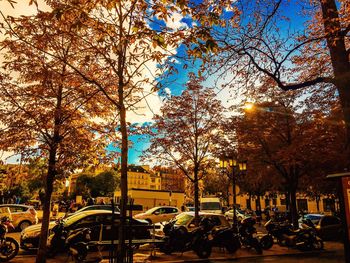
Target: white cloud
x=174, y=22
x=167, y=92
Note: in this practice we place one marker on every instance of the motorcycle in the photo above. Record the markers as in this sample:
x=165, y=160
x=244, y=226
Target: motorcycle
x=226, y=238
x=178, y=239
x=303, y=239
x=8, y=246
x=248, y=235
x=75, y=241
x=57, y=241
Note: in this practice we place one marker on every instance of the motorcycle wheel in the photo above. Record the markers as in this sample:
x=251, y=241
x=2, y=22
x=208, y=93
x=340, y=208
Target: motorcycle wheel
x=203, y=249
x=318, y=244
x=9, y=249
x=82, y=251
x=266, y=242
x=256, y=245
x=167, y=248
x=231, y=248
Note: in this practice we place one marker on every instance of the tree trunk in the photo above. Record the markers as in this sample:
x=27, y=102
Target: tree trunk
x=293, y=206
x=123, y=185
x=41, y=255
x=249, y=205
x=339, y=58
x=318, y=203
x=258, y=202
x=196, y=199
x=287, y=201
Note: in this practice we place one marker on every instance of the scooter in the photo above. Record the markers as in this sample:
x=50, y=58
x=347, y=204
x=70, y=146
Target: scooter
x=248, y=234
x=77, y=242
x=303, y=239
x=226, y=238
x=178, y=239
x=8, y=246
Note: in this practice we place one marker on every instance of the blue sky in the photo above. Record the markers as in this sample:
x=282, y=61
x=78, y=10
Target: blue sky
x=176, y=82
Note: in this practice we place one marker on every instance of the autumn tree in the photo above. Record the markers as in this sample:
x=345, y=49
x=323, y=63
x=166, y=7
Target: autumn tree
x=259, y=179
x=306, y=46
x=122, y=42
x=47, y=110
x=277, y=134
x=183, y=134
x=217, y=182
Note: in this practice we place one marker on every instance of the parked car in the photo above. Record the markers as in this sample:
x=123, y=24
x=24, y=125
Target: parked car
x=239, y=214
x=5, y=212
x=95, y=207
x=327, y=227
x=22, y=215
x=93, y=219
x=158, y=214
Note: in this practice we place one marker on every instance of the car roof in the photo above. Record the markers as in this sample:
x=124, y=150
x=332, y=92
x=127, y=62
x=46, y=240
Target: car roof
x=314, y=215
x=165, y=206
x=98, y=211
x=19, y=205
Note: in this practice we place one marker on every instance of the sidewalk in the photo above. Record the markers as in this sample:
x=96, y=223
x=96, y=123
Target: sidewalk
x=144, y=255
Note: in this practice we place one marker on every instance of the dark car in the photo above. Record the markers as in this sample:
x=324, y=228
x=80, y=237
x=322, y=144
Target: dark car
x=327, y=227
x=96, y=220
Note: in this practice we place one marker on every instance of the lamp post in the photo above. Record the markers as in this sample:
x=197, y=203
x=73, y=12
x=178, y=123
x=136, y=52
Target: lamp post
x=231, y=163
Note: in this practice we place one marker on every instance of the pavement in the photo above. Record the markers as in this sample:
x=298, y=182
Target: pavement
x=145, y=255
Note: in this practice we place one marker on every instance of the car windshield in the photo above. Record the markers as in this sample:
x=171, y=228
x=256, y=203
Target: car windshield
x=314, y=218
x=210, y=206
x=183, y=219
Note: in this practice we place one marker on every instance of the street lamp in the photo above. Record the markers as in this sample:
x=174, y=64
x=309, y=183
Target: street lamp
x=236, y=168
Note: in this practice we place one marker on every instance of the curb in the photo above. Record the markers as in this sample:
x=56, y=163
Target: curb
x=297, y=253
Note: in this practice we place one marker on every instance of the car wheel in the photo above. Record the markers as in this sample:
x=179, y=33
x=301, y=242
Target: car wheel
x=23, y=225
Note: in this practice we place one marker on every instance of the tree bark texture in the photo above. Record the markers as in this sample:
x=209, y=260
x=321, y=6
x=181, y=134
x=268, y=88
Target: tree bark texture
x=339, y=58
x=196, y=198
x=41, y=255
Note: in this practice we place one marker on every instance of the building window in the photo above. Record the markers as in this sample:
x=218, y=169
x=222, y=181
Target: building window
x=302, y=205
x=328, y=205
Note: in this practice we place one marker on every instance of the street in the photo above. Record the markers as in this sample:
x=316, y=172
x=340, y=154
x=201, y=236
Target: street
x=326, y=258
x=333, y=253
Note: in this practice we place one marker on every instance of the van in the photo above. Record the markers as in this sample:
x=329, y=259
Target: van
x=211, y=205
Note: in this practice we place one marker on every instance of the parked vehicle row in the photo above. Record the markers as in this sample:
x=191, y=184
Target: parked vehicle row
x=180, y=231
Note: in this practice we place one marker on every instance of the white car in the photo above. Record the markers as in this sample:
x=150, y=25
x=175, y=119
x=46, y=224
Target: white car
x=158, y=214
x=239, y=215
